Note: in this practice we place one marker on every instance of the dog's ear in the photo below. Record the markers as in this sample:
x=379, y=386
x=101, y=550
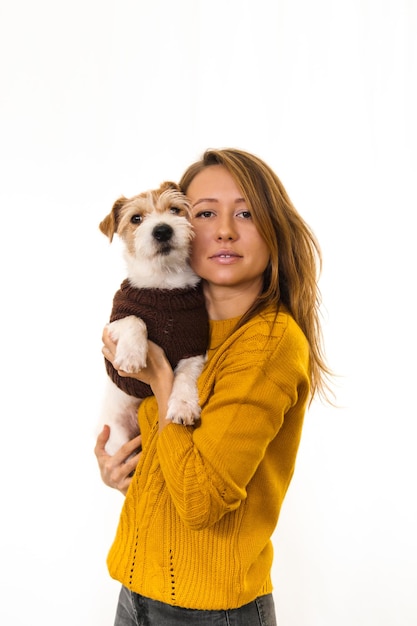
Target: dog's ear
x=109, y=225
x=169, y=185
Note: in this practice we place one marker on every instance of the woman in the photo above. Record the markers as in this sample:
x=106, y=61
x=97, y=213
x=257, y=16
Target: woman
x=193, y=544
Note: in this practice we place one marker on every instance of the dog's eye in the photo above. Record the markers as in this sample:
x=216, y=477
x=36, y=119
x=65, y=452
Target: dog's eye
x=136, y=219
x=175, y=210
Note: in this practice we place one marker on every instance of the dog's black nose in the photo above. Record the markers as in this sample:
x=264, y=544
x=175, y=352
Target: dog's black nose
x=162, y=232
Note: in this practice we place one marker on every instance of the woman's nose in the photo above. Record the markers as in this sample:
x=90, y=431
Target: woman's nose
x=226, y=230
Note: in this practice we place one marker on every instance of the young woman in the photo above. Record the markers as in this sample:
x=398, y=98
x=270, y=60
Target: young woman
x=193, y=545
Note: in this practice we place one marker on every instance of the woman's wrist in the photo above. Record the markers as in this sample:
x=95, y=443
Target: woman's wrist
x=162, y=387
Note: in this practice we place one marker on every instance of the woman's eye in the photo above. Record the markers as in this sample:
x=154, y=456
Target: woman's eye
x=246, y=215
x=136, y=219
x=204, y=214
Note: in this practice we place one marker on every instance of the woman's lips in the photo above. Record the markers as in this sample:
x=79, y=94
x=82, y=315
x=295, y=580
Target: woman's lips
x=225, y=256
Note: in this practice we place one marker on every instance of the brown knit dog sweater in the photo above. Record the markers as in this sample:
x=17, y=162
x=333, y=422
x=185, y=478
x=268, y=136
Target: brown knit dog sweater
x=176, y=320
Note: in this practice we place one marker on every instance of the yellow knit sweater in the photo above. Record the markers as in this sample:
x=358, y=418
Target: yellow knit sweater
x=195, y=529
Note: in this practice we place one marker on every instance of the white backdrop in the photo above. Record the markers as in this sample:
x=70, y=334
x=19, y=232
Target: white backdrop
x=103, y=97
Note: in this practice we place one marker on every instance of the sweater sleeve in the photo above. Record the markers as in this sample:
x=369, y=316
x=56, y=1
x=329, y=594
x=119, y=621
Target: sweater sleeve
x=247, y=392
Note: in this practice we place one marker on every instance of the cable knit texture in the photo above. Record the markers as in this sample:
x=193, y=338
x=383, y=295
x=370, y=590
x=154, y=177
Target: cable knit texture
x=195, y=529
x=176, y=319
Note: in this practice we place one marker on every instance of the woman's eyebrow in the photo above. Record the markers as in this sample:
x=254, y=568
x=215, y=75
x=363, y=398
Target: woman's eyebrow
x=204, y=200
x=238, y=200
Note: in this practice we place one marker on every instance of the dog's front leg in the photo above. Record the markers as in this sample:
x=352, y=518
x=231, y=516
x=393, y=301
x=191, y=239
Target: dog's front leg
x=183, y=405
x=131, y=336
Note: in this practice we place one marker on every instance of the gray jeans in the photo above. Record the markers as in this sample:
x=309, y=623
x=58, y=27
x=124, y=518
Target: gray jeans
x=135, y=610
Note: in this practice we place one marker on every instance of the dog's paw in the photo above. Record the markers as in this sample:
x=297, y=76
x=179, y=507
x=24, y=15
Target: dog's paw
x=182, y=412
x=130, y=361
x=183, y=406
x=132, y=345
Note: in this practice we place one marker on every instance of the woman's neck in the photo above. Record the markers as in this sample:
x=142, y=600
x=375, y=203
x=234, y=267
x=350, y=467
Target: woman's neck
x=224, y=302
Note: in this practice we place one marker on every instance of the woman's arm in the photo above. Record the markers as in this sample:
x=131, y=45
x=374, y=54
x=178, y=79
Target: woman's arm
x=253, y=401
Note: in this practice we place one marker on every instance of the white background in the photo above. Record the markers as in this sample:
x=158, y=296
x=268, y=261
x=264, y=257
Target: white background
x=107, y=97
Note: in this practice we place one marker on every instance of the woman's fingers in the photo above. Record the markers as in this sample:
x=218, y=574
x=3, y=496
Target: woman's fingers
x=102, y=439
x=116, y=470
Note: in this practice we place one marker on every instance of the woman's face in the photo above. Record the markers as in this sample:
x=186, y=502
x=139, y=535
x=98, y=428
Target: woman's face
x=227, y=249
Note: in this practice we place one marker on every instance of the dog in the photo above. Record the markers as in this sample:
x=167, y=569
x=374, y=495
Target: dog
x=162, y=300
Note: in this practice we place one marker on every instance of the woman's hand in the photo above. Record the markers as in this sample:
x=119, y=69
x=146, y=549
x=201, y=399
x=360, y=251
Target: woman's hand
x=157, y=364
x=117, y=470
x=157, y=373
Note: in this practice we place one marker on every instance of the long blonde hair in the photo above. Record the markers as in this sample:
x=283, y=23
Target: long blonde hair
x=295, y=257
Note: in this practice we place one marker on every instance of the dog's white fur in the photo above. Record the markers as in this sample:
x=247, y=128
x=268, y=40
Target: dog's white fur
x=152, y=262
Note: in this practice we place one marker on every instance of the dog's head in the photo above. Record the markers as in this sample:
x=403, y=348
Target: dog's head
x=156, y=231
